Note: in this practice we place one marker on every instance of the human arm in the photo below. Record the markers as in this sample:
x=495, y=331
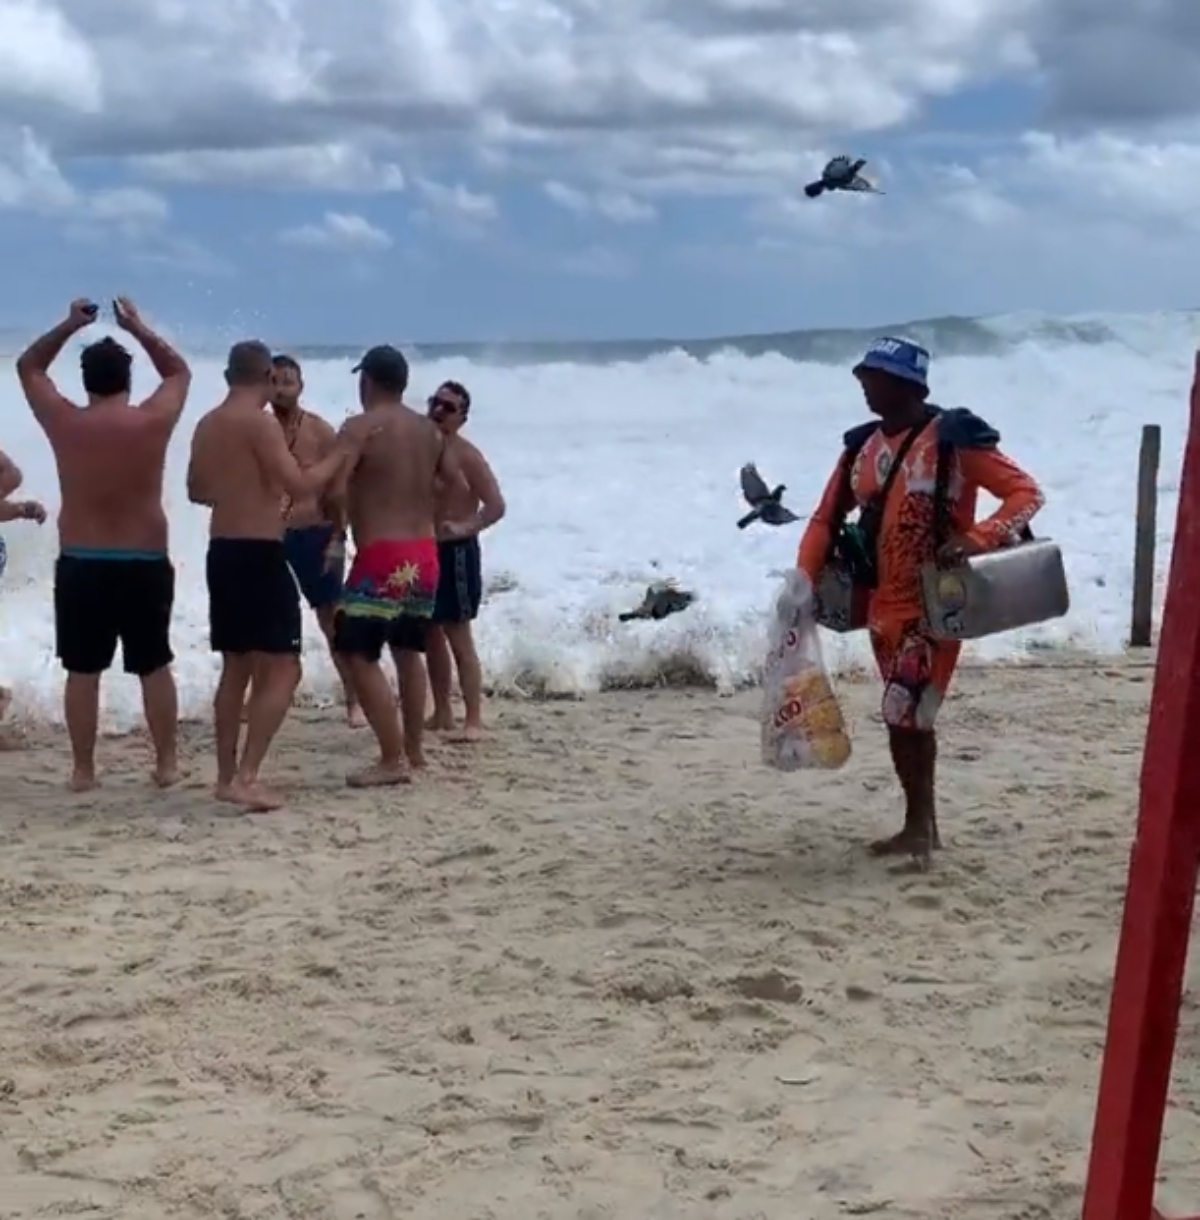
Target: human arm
x=282, y=469
x=197, y=493
x=836, y=501
x=1019, y=495
x=173, y=371
x=11, y=477
x=21, y=510
x=482, y=483
x=33, y=366
x=332, y=498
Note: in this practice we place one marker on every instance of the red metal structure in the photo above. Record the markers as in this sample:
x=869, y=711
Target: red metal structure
x=1143, y=1018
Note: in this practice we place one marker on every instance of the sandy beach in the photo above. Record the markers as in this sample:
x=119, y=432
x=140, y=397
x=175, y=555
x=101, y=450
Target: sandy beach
x=603, y=966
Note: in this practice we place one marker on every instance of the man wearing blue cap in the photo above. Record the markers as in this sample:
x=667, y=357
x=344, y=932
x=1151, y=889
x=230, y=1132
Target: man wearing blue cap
x=915, y=474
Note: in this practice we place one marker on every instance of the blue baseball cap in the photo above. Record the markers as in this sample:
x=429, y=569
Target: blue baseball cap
x=899, y=357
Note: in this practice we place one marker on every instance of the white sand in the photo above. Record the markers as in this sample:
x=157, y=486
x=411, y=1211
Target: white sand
x=605, y=965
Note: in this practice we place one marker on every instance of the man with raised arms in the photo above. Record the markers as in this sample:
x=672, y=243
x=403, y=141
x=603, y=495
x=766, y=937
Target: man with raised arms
x=113, y=581
x=389, y=500
x=241, y=469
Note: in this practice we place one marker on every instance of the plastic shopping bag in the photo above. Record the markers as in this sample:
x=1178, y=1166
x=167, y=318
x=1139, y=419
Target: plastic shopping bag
x=802, y=723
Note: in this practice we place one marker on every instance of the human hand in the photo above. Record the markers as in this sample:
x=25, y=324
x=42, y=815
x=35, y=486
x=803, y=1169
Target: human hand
x=957, y=551
x=355, y=433
x=82, y=312
x=30, y=510
x=335, y=554
x=452, y=531
x=126, y=313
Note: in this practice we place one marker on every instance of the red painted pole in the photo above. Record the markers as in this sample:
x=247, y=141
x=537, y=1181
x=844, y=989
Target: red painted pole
x=1151, y=957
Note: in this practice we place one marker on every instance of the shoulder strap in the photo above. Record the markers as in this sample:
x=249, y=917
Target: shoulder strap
x=959, y=429
x=898, y=461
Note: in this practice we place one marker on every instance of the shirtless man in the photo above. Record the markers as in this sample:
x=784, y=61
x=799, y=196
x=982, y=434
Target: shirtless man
x=114, y=580
x=241, y=469
x=466, y=507
x=309, y=530
x=389, y=500
x=11, y=479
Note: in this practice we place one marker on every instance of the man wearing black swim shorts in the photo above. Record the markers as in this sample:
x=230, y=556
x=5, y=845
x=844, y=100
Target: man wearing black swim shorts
x=314, y=554
x=467, y=505
x=240, y=468
x=114, y=581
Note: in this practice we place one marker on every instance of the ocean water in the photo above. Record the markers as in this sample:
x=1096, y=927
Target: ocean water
x=620, y=461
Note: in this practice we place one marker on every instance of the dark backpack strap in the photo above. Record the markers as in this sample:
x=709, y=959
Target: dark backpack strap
x=853, y=442
x=959, y=428
x=898, y=461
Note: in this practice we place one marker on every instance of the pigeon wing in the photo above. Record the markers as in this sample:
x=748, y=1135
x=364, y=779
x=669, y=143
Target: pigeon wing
x=754, y=490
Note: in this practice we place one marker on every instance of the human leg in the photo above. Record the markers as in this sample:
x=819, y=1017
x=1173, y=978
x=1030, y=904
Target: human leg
x=237, y=669
x=255, y=624
x=439, y=664
x=459, y=595
x=321, y=587
x=146, y=603
x=354, y=714
x=360, y=640
x=461, y=640
x=408, y=639
x=86, y=632
x=916, y=670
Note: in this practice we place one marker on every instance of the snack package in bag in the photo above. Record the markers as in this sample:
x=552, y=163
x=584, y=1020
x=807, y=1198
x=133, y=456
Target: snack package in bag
x=802, y=723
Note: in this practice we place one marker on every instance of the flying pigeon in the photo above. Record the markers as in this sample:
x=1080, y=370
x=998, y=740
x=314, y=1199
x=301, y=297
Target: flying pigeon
x=662, y=598
x=766, y=506
x=842, y=174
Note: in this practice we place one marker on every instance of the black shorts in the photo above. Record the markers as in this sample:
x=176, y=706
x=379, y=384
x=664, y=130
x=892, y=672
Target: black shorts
x=359, y=636
x=253, y=602
x=460, y=581
x=100, y=601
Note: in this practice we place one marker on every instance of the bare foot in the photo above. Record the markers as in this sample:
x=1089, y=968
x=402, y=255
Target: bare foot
x=223, y=792
x=381, y=775
x=439, y=724
x=416, y=758
x=83, y=781
x=471, y=734
x=254, y=798
x=911, y=841
x=166, y=775
x=355, y=718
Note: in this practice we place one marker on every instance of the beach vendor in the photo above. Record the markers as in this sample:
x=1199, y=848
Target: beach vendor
x=889, y=468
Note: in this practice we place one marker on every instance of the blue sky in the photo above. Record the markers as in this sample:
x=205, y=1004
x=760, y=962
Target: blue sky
x=539, y=169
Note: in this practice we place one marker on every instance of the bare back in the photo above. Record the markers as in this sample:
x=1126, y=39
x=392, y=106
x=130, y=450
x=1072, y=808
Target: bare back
x=457, y=498
x=227, y=473
x=391, y=493
x=110, y=460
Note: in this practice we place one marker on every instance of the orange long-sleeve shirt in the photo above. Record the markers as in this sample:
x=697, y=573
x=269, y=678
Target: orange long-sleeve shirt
x=906, y=536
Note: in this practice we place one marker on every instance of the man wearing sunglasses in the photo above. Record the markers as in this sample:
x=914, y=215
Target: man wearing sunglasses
x=468, y=504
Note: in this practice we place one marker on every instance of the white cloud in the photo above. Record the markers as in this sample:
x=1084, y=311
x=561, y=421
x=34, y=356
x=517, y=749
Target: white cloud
x=44, y=58
x=666, y=92
x=456, y=208
x=617, y=206
x=616, y=109
x=339, y=231
x=31, y=180
x=337, y=168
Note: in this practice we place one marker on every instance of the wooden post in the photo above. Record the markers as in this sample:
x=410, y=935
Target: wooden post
x=1141, y=621
x=1143, y=1015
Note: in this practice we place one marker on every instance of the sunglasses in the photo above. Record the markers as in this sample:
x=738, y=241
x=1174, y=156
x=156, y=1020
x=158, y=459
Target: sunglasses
x=444, y=404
